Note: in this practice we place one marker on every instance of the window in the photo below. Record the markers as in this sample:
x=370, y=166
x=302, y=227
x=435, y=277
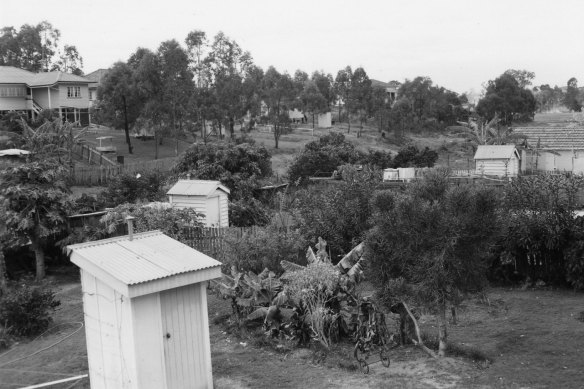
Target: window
x=90, y=95
x=73, y=92
x=12, y=91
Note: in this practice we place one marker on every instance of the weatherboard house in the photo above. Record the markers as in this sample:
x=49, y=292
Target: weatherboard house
x=497, y=160
x=209, y=198
x=553, y=149
x=64, y=93
x=145, y=312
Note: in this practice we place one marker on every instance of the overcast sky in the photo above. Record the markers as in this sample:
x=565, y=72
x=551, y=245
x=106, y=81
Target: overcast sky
x=460, y=44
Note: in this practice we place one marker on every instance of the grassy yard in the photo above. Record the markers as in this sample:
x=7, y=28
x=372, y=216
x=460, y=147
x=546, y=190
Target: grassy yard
x=535, y=339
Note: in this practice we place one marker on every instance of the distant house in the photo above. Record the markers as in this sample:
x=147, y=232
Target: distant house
x=500, y=161
x=390, y=89
x=552, y=149
x=64, y=93
x=97, y=78
x=207, y=197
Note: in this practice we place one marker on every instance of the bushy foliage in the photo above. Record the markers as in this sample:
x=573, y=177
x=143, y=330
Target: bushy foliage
x=434, y=236
x=237, y=166
x=540, y=223
x=323, y=156
x=130, y=188
x=264, y=248
x=574, y=255
x=338, y=213
x=247, y=212
x=377, y=158
x=156, y=217
x=26, y=310
x=411, y=156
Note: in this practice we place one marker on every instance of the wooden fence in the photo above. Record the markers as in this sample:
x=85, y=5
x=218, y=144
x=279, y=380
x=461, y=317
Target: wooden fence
x=101, y=175
x=211, y=241
x=92, y=156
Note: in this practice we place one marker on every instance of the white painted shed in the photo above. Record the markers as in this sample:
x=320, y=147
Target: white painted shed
x=324, y=120
x=207, y=197
x=497, y=160
x=145, y=308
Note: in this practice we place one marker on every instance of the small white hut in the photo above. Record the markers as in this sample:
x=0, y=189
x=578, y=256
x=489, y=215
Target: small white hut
x=207, y=197
x=497, y=160
x=324, y=120
x=145, y=309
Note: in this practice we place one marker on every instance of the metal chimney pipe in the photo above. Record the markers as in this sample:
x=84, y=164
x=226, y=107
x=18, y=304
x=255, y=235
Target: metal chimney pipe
x=129, y=220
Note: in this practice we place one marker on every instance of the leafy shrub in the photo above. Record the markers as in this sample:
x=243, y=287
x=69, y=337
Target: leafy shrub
x=540, y=226
x=264, y=248
x=247, y=212
x=340, y=213
x=411, y=156
x=229, y=163
x=323, y=155
x=129, y=188
x=26, y=311
x=574, y=255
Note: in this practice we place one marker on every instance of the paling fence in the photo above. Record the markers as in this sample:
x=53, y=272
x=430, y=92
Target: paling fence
x=101, y=175
x=211, y=241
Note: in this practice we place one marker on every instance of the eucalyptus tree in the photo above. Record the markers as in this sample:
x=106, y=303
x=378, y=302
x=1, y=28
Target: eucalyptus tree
x=360, y=96
x=342, y=89
x=279, y=95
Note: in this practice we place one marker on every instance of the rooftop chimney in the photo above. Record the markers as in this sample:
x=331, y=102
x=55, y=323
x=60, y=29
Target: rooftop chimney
x=130, y=219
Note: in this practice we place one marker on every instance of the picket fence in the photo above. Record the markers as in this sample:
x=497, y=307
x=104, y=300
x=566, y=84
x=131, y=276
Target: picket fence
x=101, y=175
x=211, y=241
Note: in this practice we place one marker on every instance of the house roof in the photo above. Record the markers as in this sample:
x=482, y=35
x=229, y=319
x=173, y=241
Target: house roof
x=196, y=188
x=147, y=257
x=97, y=76
x=11, y=152
x=495, y=152
x=12, y=75
x=554, y=138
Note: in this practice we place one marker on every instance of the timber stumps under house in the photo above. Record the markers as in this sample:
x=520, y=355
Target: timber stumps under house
x=145, y=308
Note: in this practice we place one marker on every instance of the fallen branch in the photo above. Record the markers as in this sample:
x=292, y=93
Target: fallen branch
x=419, y=342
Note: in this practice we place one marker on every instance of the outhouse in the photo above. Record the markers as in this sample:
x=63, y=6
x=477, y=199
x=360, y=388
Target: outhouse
x=207, y=197
x=145, y=309
x=497, y=160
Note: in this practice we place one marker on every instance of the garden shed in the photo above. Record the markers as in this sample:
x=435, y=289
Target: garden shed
x=207, y=197
x=145, y=310
x=497, y=160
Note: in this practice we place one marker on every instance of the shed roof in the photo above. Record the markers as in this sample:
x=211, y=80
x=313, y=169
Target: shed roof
x=495, y=152
x=553, y=138
x=196, y=188
x=13, y=152
x=147, y=257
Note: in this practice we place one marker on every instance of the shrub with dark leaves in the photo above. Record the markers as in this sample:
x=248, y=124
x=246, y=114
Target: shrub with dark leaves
x=26, y=311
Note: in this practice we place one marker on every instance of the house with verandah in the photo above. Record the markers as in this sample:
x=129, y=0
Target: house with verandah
x=27, y=92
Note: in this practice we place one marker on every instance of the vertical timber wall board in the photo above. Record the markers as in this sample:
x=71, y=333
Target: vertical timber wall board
x=183, y=317
x=108, y=326
x=149, y=349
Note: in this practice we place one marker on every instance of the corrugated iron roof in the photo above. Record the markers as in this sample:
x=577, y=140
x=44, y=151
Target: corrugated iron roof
x=495, y=151
x=196, y=188
x=13, y=75
x=147, y=257
x=554, y=138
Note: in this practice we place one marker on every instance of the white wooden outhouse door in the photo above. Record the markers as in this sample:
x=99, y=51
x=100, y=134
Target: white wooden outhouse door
x=213, y=207
x=187, y=364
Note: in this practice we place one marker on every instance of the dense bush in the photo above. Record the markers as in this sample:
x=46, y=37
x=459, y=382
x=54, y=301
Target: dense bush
x=338, y=213
x=324, y=156
x=411, y=156
x=264, y=248
x=248, y=212
x=541, y=224
x=574, y=255
x=237, y=166
x=129, y=188
x=26, y=311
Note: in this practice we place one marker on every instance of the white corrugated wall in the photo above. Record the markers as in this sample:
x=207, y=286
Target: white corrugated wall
x=497, y=167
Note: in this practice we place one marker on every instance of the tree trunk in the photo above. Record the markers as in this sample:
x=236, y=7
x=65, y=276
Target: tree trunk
x=39, y=256
x=442, y=330
x=126, y=128
x=3, y=276
x=313, y=121
x=155, y=145
x=276, y=135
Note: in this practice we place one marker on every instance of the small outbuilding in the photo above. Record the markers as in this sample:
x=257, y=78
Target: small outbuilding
x=497, y=160
x=145, y=310
x=207, y=197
